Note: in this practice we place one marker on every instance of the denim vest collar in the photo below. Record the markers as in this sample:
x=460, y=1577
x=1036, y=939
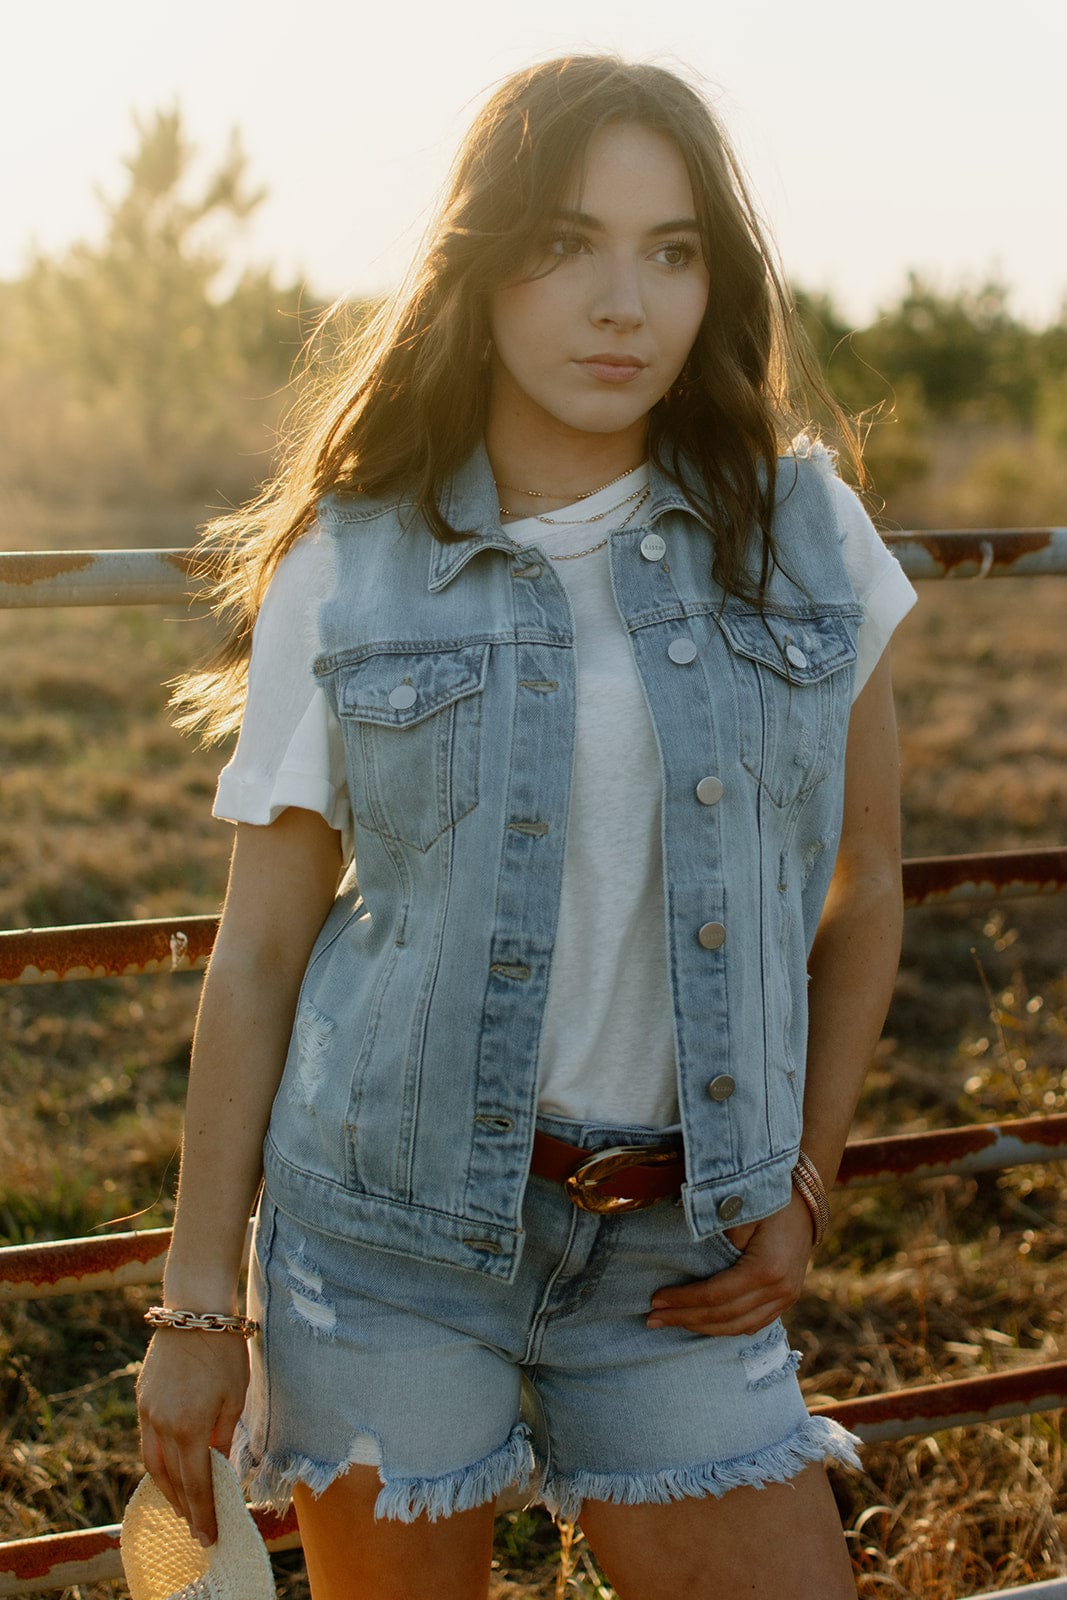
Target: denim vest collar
x=470, y=500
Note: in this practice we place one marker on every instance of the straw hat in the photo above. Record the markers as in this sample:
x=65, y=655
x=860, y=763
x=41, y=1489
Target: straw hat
x=163, y=1561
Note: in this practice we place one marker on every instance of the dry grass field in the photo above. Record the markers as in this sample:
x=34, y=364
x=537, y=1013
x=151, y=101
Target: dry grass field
x=105, y=816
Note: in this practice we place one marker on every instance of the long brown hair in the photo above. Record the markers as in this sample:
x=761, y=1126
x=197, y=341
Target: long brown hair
x=402, y=402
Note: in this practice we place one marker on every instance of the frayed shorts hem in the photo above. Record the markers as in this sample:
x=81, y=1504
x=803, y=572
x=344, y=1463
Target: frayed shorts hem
x=270, y=1479
x=817, y=1439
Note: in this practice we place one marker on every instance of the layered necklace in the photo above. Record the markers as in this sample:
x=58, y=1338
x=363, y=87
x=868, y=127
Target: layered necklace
x=543, y=494
x=638, y=496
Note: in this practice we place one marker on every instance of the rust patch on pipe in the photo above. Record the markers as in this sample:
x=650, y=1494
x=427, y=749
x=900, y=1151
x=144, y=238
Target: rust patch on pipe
x=905, y=1153
x=959, y=1397
x=273, y=1526
x=985, y=547
x=1017, y=872
x=25, y=567
x=105, y=949
x=62, y=1260
x=34, y=1560
x=26, y=1559
x=181, y=560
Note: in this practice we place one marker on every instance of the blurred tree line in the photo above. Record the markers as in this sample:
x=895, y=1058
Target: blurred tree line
x=143, y=366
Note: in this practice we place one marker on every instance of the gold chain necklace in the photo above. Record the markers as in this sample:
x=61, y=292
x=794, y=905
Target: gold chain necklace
x=630, y=515
x=543, y=494
x=580, y=522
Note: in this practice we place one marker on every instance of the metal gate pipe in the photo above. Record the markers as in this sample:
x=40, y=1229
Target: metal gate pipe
x=35, y=578
x=106, y=949
x=942, y=1152
x=957, y=1403
x=178, y=944
x=91, y=1555
x=981, y=552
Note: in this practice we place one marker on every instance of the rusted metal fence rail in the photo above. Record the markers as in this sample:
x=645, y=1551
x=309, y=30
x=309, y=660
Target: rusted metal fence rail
x=180, y=944
x=96, y=950
x=117, y=1260
x=150, y=577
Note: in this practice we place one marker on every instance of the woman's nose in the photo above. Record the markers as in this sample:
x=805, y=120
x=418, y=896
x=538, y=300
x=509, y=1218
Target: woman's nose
x=617, y=300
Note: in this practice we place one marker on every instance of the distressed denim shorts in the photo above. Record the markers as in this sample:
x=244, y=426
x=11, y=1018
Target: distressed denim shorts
x=456, y=1385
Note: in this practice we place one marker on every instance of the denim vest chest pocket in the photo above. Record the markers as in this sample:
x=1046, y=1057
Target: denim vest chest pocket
x=411, y=720
x=793, y=677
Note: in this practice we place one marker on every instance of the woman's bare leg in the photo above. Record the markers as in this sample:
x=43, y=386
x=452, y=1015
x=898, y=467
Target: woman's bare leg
x=352, y=1556
x=782, y=1542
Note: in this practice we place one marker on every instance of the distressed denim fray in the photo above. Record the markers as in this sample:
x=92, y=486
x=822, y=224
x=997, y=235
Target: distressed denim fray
x=456, y=1385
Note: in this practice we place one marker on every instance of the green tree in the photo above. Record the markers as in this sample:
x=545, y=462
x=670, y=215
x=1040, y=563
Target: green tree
x=151, y=319
x=966, y=352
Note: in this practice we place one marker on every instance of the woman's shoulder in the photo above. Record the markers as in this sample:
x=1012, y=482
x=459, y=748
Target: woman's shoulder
x=342, y=507
x=811, y=461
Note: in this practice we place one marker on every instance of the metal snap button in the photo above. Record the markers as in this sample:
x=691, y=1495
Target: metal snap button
x=682, y=651
x=709, y=791
x=795, y=655
x=712, y=935
x=653, y=548
x=403, y=697
x=722, y=1087
x=730, y=1208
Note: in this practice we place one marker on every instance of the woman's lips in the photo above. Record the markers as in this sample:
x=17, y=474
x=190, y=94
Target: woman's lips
x=612, y=369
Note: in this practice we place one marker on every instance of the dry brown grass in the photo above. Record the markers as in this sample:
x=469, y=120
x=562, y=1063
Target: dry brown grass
x=106, y=816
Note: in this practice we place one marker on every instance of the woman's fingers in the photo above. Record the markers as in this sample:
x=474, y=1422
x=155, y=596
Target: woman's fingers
x=190, y=1395
x=743, y=1298
x=156, y=1464
x=712, y=1306
x=195, y=1467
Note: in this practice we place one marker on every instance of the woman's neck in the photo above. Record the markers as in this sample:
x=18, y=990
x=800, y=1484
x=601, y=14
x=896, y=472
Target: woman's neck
x=558, y=464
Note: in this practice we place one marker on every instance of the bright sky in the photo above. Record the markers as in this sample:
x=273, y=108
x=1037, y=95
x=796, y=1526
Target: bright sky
x=919, y=133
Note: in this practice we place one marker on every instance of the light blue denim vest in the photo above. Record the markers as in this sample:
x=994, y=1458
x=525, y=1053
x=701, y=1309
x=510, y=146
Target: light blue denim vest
x=405, y=1116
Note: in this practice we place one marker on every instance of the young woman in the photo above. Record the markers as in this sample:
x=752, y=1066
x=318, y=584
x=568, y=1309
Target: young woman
x=554, y=625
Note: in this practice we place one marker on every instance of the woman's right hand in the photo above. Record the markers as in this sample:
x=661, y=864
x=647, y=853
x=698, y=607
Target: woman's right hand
x=189, y=1396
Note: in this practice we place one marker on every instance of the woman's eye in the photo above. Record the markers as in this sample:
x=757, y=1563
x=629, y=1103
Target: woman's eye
x=678, y=254
x=566, y=244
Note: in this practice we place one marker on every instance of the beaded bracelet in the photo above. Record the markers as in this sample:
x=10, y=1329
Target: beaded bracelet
x=809, y=1186
x=202, y=1321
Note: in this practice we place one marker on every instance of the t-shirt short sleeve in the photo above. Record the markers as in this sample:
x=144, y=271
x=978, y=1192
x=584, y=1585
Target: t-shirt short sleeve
x=290, y=751
x=877, y=577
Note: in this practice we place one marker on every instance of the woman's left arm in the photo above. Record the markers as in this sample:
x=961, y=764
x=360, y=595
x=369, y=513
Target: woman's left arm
x=852, y=967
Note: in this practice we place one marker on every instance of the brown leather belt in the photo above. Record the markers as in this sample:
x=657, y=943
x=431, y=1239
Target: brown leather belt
x=626, y=1177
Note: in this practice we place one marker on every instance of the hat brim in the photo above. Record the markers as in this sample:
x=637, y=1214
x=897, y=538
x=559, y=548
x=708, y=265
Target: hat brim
x=162, y=1560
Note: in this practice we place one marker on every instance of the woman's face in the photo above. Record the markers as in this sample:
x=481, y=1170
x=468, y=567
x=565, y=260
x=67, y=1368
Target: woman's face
x=598, y=336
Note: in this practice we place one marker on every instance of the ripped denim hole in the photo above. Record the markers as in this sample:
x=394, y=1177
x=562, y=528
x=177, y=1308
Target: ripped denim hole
x=769, y=1359
x=269, y=1477
x=307, y=1303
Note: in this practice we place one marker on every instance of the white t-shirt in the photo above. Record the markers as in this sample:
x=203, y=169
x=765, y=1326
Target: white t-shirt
x=607, y=1052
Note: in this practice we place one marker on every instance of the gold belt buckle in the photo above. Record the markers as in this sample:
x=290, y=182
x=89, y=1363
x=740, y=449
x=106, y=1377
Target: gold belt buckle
x=581, y=1186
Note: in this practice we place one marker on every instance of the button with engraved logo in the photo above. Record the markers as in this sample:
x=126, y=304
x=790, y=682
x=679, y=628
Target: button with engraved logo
x=682, y=651
x=730, y=1208
x=709, y=791
x=653, y=548
x=795, y=656
x=712, y=935
x=403, y=697
x=722, y=1087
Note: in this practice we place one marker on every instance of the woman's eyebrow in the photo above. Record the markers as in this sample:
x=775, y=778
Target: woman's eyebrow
x=583, y=219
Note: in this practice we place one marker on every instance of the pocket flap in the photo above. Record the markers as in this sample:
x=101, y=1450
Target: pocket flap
x=801, y=649
x=397, y=689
